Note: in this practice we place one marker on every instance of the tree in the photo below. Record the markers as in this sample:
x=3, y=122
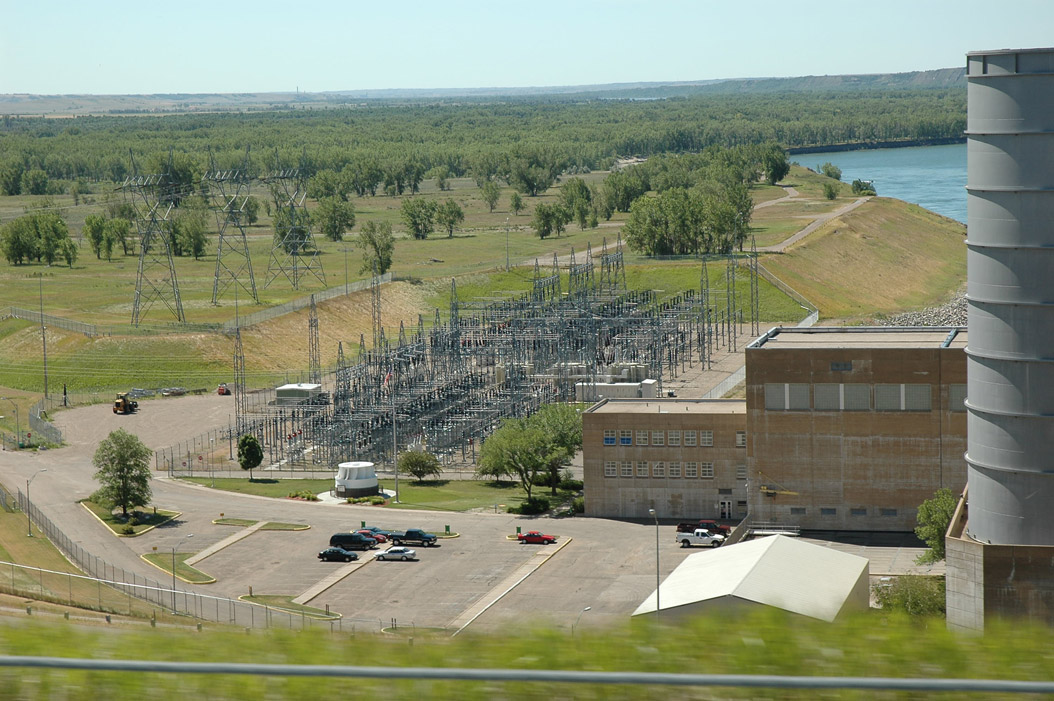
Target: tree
x=117, y=231
x=18, y=238
x=251, y=210
x=35, y=182
x=562, y=424
x=68, y=251
x=189, y=229
x=915, y=595
x=516, y=203
x=516, y=448
x=250, y=453
x=774, y=163
x=419, y=216
x=94, y=225
x=442, y=176
x=831, y=171
x=577, y=199
x=378, y=245
x=550, y=219
x=419, y=464
x=334, y=216
x=490, y=192
x=934, y=516
x=864, y=187
x=122, y=465
x=448, y=215
x=830, y=190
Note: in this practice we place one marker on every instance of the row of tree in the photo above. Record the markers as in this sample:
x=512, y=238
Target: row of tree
x=527, y=141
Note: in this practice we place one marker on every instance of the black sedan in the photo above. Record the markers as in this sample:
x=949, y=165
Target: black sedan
x=337, y=555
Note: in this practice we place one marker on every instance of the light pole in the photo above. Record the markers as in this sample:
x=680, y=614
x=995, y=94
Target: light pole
x=18, y=430
x=185, y=539
x=506, y=244
x=575, y=625
x=658, y=607
x=29, y=521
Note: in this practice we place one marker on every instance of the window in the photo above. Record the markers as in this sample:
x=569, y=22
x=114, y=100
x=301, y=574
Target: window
x=689, y=439
x=658, y=437
x=839, y=397
x=627, y=469
x=797, y=396
x=741, y=507
x=610, y=469
x=609, y=436
x=741, y=472
x=774, y=396
x=786, y=396
x=691, y=470
x=842, y=367
x=675, y=469
x=706, y=470
x=706, y=439
x=642, y=468
x=903, y=397
x=887, y=512
x=918, y=397
x=625, y=437
x=858, y=512
x=797, y=511
x=741, y=439
x=724, y=491
x=673, y=438
x=642, y=438
x=658, y=469
x=887, y=397
x=957, y=397
x=828, y=512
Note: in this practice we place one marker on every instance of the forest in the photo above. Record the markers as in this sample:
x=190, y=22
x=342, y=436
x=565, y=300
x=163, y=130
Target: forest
x=394, y=143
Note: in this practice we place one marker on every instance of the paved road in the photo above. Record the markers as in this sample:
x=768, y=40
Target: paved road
x=816, y=224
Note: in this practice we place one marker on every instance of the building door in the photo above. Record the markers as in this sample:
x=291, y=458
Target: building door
x=726, y=508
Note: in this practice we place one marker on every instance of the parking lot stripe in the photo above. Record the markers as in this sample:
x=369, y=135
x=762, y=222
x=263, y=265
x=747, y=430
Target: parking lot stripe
x=229, y=540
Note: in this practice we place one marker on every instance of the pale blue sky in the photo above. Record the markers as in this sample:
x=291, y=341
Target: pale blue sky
x=194, y=46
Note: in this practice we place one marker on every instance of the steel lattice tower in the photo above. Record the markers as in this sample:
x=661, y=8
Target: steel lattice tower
x=152, y=198
x=375, y=307
x=229, y=192
x=314, y=356
x=293, y=253
x=755, y=296
x=239, y=382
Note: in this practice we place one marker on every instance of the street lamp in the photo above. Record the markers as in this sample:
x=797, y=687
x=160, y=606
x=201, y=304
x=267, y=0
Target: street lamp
x=18, y=430
x=506, y=244
x=185, y=539
x=575, y=625
x=29, y=521
x=658, y=608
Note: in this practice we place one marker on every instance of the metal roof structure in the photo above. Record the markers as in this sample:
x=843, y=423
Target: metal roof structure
x=779, y=571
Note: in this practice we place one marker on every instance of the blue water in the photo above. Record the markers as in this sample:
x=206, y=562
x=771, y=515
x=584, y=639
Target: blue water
x=933, y=177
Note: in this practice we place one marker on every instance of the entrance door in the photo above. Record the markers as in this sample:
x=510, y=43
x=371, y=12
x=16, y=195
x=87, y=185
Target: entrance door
x=726, y=508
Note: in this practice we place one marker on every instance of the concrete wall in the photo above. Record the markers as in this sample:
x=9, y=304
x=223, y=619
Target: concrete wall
x=671, y=497
x=853, y=470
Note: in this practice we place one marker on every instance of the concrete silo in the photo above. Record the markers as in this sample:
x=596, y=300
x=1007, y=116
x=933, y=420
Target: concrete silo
x=999, y=555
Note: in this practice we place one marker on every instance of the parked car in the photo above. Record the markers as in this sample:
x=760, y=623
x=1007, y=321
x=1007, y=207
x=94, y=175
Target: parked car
x=414, y=535
x=701, y=537
x=397, y=552
x=706, y=524
x=379, y=537
x=337, y=555
x=351, y=541
x=223, y=389
x=536, y=538
x=375, y=529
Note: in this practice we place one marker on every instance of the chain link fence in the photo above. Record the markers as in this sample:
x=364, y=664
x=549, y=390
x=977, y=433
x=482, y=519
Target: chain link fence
x=102, y=574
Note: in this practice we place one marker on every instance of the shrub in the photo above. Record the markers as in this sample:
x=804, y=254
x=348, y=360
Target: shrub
x=831, y=171
x=128, y=529
x=578, y=505
x=534, y=505
x=571, y=485
x=830, y=191
x=303, y=494
x=99, y=498
x=914, y=595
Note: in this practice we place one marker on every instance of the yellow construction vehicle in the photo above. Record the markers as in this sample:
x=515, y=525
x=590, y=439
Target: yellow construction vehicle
x=124, y=405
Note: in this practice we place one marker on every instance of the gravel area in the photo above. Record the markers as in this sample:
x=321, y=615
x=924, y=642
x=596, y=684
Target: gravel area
x=951, y=314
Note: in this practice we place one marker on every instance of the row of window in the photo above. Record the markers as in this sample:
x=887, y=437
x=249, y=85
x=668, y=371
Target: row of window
x=831, y=511
x=689, y=439
x=642, y=468
x=829, y=396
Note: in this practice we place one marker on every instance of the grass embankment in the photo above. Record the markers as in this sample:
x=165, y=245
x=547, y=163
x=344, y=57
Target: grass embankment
x=766, y=643
x=54, y=582
x=285, y=603
x=163, y=561
x=882, y=258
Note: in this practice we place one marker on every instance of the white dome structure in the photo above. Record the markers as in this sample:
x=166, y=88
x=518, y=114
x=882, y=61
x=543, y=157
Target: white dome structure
x=356, y=479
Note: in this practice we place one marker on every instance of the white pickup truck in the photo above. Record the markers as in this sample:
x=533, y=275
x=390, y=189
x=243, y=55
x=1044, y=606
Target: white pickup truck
x=700, y=537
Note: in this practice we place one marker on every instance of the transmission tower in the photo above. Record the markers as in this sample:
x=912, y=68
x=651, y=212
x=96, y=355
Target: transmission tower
x=314, y=361
x=755, y=297
x=239, y=382
x=152, y=199
x=375, y=306
x=293, y=253
x=229, y=193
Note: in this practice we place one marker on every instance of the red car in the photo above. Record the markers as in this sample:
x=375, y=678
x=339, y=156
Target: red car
x=379, y=537
x=536, y=538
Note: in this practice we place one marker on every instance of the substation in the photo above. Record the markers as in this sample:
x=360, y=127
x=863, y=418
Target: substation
x=444, y=387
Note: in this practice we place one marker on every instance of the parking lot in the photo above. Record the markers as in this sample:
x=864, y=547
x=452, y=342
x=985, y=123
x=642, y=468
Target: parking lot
x=480, y=579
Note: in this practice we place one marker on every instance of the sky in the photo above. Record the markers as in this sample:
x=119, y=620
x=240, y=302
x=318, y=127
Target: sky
x=119, y=47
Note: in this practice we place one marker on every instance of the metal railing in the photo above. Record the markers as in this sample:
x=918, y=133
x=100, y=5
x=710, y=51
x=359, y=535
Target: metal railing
x=300, y=303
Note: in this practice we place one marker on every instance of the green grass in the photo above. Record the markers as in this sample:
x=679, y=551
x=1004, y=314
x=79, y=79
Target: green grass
x=279, y=489
x=269, y=526
x=454, y=495
x=285, y=603
x=756, y=642
x=191, y=575
x=144, y=520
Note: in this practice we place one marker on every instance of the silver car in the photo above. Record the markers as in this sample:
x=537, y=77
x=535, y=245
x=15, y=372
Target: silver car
x=398, y=552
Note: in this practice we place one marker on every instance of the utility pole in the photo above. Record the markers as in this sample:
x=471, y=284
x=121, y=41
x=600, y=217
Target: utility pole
x=44, y=336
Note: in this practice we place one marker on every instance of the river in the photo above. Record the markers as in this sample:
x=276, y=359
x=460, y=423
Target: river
x=933, y=177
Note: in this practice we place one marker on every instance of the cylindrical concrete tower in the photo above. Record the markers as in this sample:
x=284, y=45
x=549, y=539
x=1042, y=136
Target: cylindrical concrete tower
x=1010, y=293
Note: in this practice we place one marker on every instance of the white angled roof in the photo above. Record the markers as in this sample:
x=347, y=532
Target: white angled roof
x=788, y=573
